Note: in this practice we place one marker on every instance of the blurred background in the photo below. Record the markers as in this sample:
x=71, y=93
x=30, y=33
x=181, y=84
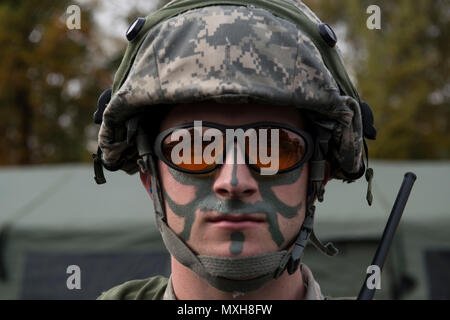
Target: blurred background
x=53, y=215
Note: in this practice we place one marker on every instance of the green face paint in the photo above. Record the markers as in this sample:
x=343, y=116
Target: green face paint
x=234, y=181
x=206, y=200
x=237, y=242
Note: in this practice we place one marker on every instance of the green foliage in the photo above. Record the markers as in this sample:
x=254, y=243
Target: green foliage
x=49, y=83
x=402, y=71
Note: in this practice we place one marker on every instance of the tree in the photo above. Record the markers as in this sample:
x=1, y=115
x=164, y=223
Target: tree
x=402, y=71
x=49, y=83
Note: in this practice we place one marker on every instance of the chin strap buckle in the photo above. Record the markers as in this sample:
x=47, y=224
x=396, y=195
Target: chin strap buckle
x=301, y=242
x=99, y=176
x=144, y=149
x=329, y=249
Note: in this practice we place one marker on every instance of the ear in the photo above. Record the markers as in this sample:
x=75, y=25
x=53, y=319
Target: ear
x=146, y=182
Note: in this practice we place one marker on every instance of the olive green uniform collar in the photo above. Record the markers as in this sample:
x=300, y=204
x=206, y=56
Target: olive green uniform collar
x=312, y=287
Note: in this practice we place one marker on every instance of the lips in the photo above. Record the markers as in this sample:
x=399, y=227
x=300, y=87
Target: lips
x=237, y=217
x=236, y=221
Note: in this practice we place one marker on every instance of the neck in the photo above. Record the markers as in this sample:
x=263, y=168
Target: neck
x=188, y=285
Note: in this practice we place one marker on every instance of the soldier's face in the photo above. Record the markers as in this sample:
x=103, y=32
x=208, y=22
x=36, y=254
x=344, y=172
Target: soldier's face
x=234, y=211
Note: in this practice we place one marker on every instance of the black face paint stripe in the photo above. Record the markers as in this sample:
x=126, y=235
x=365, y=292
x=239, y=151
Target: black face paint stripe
x=234, y=181
x=237, y=242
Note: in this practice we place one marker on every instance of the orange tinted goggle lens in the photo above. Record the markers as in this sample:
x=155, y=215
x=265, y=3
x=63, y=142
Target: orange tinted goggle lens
x=191, y=165
x=291, y=150
x=195, y=162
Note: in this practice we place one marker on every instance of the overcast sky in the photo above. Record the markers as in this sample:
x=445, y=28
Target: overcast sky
x=111, y=13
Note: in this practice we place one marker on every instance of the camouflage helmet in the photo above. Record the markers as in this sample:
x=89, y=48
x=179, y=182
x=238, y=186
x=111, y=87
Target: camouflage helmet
x=234, y=51
x=245, y=51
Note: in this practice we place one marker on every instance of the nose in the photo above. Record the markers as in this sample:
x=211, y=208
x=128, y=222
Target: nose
x=234, y=179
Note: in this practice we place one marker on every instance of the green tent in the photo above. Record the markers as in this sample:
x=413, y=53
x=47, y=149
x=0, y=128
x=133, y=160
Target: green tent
x=418, y=266
x=57, y=216
x=54, y=217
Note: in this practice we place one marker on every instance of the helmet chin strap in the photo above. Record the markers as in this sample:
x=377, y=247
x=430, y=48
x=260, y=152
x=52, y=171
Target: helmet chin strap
x=238, y=274
x=316, y=178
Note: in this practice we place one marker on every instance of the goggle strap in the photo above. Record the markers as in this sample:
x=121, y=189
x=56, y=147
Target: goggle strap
x=143, y=143
x=317, y=170
x=132, y=129
x=324, y=136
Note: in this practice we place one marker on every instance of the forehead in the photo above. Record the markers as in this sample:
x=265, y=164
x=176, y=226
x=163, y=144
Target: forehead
x=232, y=114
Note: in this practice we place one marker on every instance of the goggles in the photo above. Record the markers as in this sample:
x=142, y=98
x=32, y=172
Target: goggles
x=201, y=147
